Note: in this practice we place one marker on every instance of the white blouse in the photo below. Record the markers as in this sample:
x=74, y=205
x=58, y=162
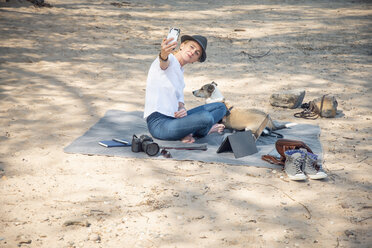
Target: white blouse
x=164, y=88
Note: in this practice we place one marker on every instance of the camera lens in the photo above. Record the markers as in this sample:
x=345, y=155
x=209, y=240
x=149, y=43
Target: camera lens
x=150, y=148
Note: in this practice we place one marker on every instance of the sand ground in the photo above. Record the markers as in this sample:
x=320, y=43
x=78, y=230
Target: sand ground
x=62, y=68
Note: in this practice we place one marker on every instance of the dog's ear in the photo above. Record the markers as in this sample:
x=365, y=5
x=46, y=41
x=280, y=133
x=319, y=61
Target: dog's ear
x=213, y=82
x=210, y=88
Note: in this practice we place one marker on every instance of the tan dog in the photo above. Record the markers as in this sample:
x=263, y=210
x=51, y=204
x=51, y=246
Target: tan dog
x=239, y=118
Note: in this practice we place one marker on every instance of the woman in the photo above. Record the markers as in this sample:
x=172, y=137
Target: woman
x=165, y=111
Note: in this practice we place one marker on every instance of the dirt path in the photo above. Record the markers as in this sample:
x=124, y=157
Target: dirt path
x=62, y=68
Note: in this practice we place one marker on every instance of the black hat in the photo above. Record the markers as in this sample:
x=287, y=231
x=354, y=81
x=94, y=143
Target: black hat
x=202, y=41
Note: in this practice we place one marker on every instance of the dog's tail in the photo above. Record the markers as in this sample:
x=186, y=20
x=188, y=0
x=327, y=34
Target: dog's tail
x=274, y=126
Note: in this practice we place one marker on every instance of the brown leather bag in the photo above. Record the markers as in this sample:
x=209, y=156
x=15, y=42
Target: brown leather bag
x=283, y=145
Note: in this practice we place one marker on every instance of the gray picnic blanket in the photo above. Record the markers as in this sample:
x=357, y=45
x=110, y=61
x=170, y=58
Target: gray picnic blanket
x=121, y=124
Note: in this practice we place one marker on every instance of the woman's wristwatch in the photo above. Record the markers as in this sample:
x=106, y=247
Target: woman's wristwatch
x=162, y=58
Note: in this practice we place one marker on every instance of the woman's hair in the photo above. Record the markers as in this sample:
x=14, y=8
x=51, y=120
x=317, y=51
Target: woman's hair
x=178, y=49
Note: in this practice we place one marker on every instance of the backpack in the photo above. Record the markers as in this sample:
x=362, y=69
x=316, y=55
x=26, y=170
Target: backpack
x=325, y=106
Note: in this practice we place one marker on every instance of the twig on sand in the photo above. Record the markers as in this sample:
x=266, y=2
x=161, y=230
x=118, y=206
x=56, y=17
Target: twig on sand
x=363, y=159
x=290, y=197
x=76, y=223
x=256, y=56
x=147, y=221
x=338, y=243
x=366, y=218
x=349, y=138
x=365, y=207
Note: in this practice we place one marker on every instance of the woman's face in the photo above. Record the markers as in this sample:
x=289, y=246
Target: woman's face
x=191, y=51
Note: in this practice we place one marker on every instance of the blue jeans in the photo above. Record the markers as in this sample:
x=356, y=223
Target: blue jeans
x=198, y=122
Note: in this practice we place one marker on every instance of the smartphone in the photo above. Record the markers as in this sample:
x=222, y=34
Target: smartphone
x=111, y=143
x=121, y=141
x=174, y=33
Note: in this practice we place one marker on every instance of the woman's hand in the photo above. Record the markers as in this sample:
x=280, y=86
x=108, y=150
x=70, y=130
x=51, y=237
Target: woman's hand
x=180, y=113
x=167, y=47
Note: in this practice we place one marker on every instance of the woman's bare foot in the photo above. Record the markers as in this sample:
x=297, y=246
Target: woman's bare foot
x=217, y=128
x=188, y=139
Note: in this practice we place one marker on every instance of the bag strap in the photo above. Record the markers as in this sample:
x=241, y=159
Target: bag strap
x=321, y=105
x=308, y=112
x=268, y=132
x=194, y=147
x=276, y=135
x=272, y=160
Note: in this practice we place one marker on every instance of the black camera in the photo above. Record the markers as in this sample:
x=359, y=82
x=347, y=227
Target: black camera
x=144, y=144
